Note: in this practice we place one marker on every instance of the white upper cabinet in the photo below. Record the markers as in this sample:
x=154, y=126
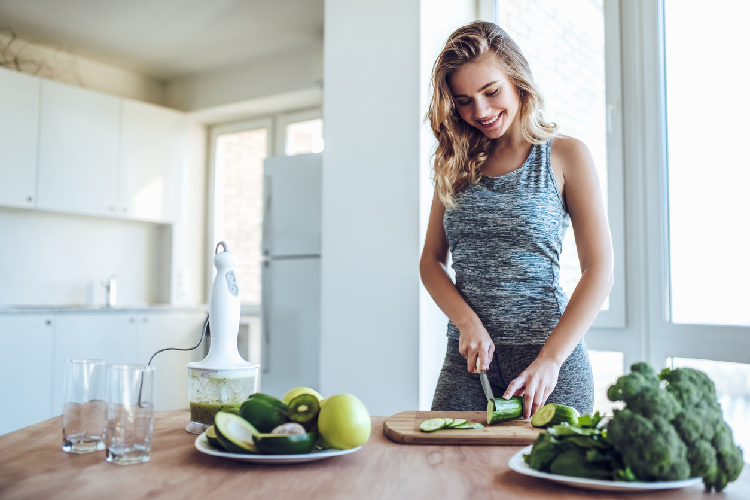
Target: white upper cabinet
x=19, y=131
x=152, y=157
x=78, y=150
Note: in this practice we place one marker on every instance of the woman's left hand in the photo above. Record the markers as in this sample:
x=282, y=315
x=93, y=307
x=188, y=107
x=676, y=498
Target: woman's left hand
x=535, y=384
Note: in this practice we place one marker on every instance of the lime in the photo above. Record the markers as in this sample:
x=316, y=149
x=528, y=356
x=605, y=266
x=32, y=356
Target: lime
x=300, y=390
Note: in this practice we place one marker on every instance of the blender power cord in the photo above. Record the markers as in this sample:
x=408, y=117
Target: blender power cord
x=206, y=329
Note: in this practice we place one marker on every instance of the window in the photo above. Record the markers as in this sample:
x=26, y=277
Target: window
x=564, y=42
x=238, y=151
x=607, y=367
x=299, y=133
x=732, y=382
x=304, y=137
x=708, y=175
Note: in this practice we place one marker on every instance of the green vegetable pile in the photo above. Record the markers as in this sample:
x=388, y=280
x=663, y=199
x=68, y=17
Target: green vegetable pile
x=580, y=450
x=671, y=429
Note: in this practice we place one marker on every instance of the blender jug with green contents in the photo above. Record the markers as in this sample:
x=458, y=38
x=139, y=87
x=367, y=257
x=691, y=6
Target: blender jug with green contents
x=223, y=380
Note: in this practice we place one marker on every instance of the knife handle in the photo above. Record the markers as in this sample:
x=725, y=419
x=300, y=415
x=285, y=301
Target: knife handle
x=479, y=370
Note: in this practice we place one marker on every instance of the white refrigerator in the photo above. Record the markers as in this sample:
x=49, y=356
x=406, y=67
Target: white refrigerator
x=290, y=274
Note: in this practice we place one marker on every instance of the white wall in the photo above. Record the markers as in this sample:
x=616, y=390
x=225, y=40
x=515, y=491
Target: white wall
x=188, y=255
x=370, y=247
x=439, y=19
x=65, y=66
x=264, y=76
x=48, y=258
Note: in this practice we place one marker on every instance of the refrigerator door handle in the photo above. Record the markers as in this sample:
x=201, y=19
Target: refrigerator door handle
x=266, y=227
x=265, y=295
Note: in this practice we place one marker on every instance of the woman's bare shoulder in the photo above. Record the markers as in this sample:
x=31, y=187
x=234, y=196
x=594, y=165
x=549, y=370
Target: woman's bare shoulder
x=571, y=153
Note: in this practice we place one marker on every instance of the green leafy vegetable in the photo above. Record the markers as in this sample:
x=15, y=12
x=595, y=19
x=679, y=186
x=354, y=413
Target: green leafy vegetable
x=671, y=429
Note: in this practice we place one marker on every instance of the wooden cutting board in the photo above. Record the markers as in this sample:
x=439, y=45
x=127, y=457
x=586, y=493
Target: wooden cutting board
x=403, y=428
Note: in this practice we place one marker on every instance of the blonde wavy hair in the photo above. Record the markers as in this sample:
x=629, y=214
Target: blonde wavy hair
x=461, y=148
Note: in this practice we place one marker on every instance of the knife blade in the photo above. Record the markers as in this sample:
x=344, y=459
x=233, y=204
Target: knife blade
x=485, y=383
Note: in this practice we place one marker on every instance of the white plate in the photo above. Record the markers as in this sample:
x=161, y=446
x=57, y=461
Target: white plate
x=201, y=444
x=517, y=464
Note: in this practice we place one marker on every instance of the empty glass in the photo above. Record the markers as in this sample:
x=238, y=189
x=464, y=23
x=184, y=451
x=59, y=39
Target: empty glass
x=130, y=414
x=85, y=408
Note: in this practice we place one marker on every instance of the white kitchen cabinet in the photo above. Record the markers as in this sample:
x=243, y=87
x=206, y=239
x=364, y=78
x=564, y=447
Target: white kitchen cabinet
x=25, y=370
x=78, y=150
x=152, y=157
x=181, y=330
x=132, y=338
x=113, y=336
x=19, y=133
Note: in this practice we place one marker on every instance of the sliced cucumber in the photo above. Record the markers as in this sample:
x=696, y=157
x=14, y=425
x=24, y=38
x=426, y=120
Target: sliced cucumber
x=281, y=444
x=501, y=410
x=457, y=421
x=432, y=424
x=235, y=434
x=448, y=422
x=212, y=439
x=468, y=425
x=553, y=414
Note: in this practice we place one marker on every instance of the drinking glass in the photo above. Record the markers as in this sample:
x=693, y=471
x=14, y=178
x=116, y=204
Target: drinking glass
x=130, y=414
x=85, y=405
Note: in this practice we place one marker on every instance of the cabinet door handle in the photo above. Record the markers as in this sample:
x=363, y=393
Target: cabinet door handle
x=29, y=198
x=48, y=322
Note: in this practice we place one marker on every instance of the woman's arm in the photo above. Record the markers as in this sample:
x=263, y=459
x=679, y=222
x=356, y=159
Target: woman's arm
x=586, y=208
x=474, y=340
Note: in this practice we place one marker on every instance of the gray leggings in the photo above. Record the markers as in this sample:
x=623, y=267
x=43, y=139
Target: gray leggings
x=459, y=390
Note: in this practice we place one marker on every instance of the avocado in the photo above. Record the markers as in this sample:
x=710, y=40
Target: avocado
x=282, y=444
x=212, y=439
x=264, y=412
x=235, y=434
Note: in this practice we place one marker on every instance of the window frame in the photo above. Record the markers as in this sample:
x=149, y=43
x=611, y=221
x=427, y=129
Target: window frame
x=286, y=119
x=649, y=334
x=728, y=343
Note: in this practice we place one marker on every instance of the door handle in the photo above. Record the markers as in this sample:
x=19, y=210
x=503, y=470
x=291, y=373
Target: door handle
x=265, y=320
x=266, y=216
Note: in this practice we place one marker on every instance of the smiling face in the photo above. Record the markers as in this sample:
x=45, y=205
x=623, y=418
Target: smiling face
x=485, y=97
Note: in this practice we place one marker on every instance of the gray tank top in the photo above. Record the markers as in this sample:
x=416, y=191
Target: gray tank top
x=505, y=236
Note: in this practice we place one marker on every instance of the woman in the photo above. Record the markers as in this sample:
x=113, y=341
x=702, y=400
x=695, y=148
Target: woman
x=507, y=186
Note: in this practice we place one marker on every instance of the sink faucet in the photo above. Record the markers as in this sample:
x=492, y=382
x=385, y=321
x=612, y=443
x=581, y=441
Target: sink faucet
x=110, y=285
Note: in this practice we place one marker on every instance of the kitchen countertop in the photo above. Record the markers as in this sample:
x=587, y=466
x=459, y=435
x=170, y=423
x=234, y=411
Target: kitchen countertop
x=34, y=466
x=98, y=309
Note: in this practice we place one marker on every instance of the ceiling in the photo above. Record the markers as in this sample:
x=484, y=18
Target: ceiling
x=165, y=39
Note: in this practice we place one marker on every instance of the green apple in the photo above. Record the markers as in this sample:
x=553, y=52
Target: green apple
x=344, y=422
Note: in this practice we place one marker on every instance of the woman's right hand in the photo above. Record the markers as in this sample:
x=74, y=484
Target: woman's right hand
x=474, y=342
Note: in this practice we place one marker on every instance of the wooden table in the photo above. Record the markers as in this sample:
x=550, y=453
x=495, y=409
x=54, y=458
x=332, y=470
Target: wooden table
x=33, y=466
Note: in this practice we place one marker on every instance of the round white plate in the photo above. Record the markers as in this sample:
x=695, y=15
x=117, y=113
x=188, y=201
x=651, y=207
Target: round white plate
x=201, y=444
x=517, y=464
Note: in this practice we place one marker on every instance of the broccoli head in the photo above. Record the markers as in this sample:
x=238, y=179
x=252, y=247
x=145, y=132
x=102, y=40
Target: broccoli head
x=673, y=432
x=654, y=402
x=702, y=459
x=692, y=388
x=630, y=385
x=650, y=447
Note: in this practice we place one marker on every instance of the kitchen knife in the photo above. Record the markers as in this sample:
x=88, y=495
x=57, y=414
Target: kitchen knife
x=485, y=383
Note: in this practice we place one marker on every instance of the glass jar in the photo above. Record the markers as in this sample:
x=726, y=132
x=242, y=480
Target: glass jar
x=211, y=391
